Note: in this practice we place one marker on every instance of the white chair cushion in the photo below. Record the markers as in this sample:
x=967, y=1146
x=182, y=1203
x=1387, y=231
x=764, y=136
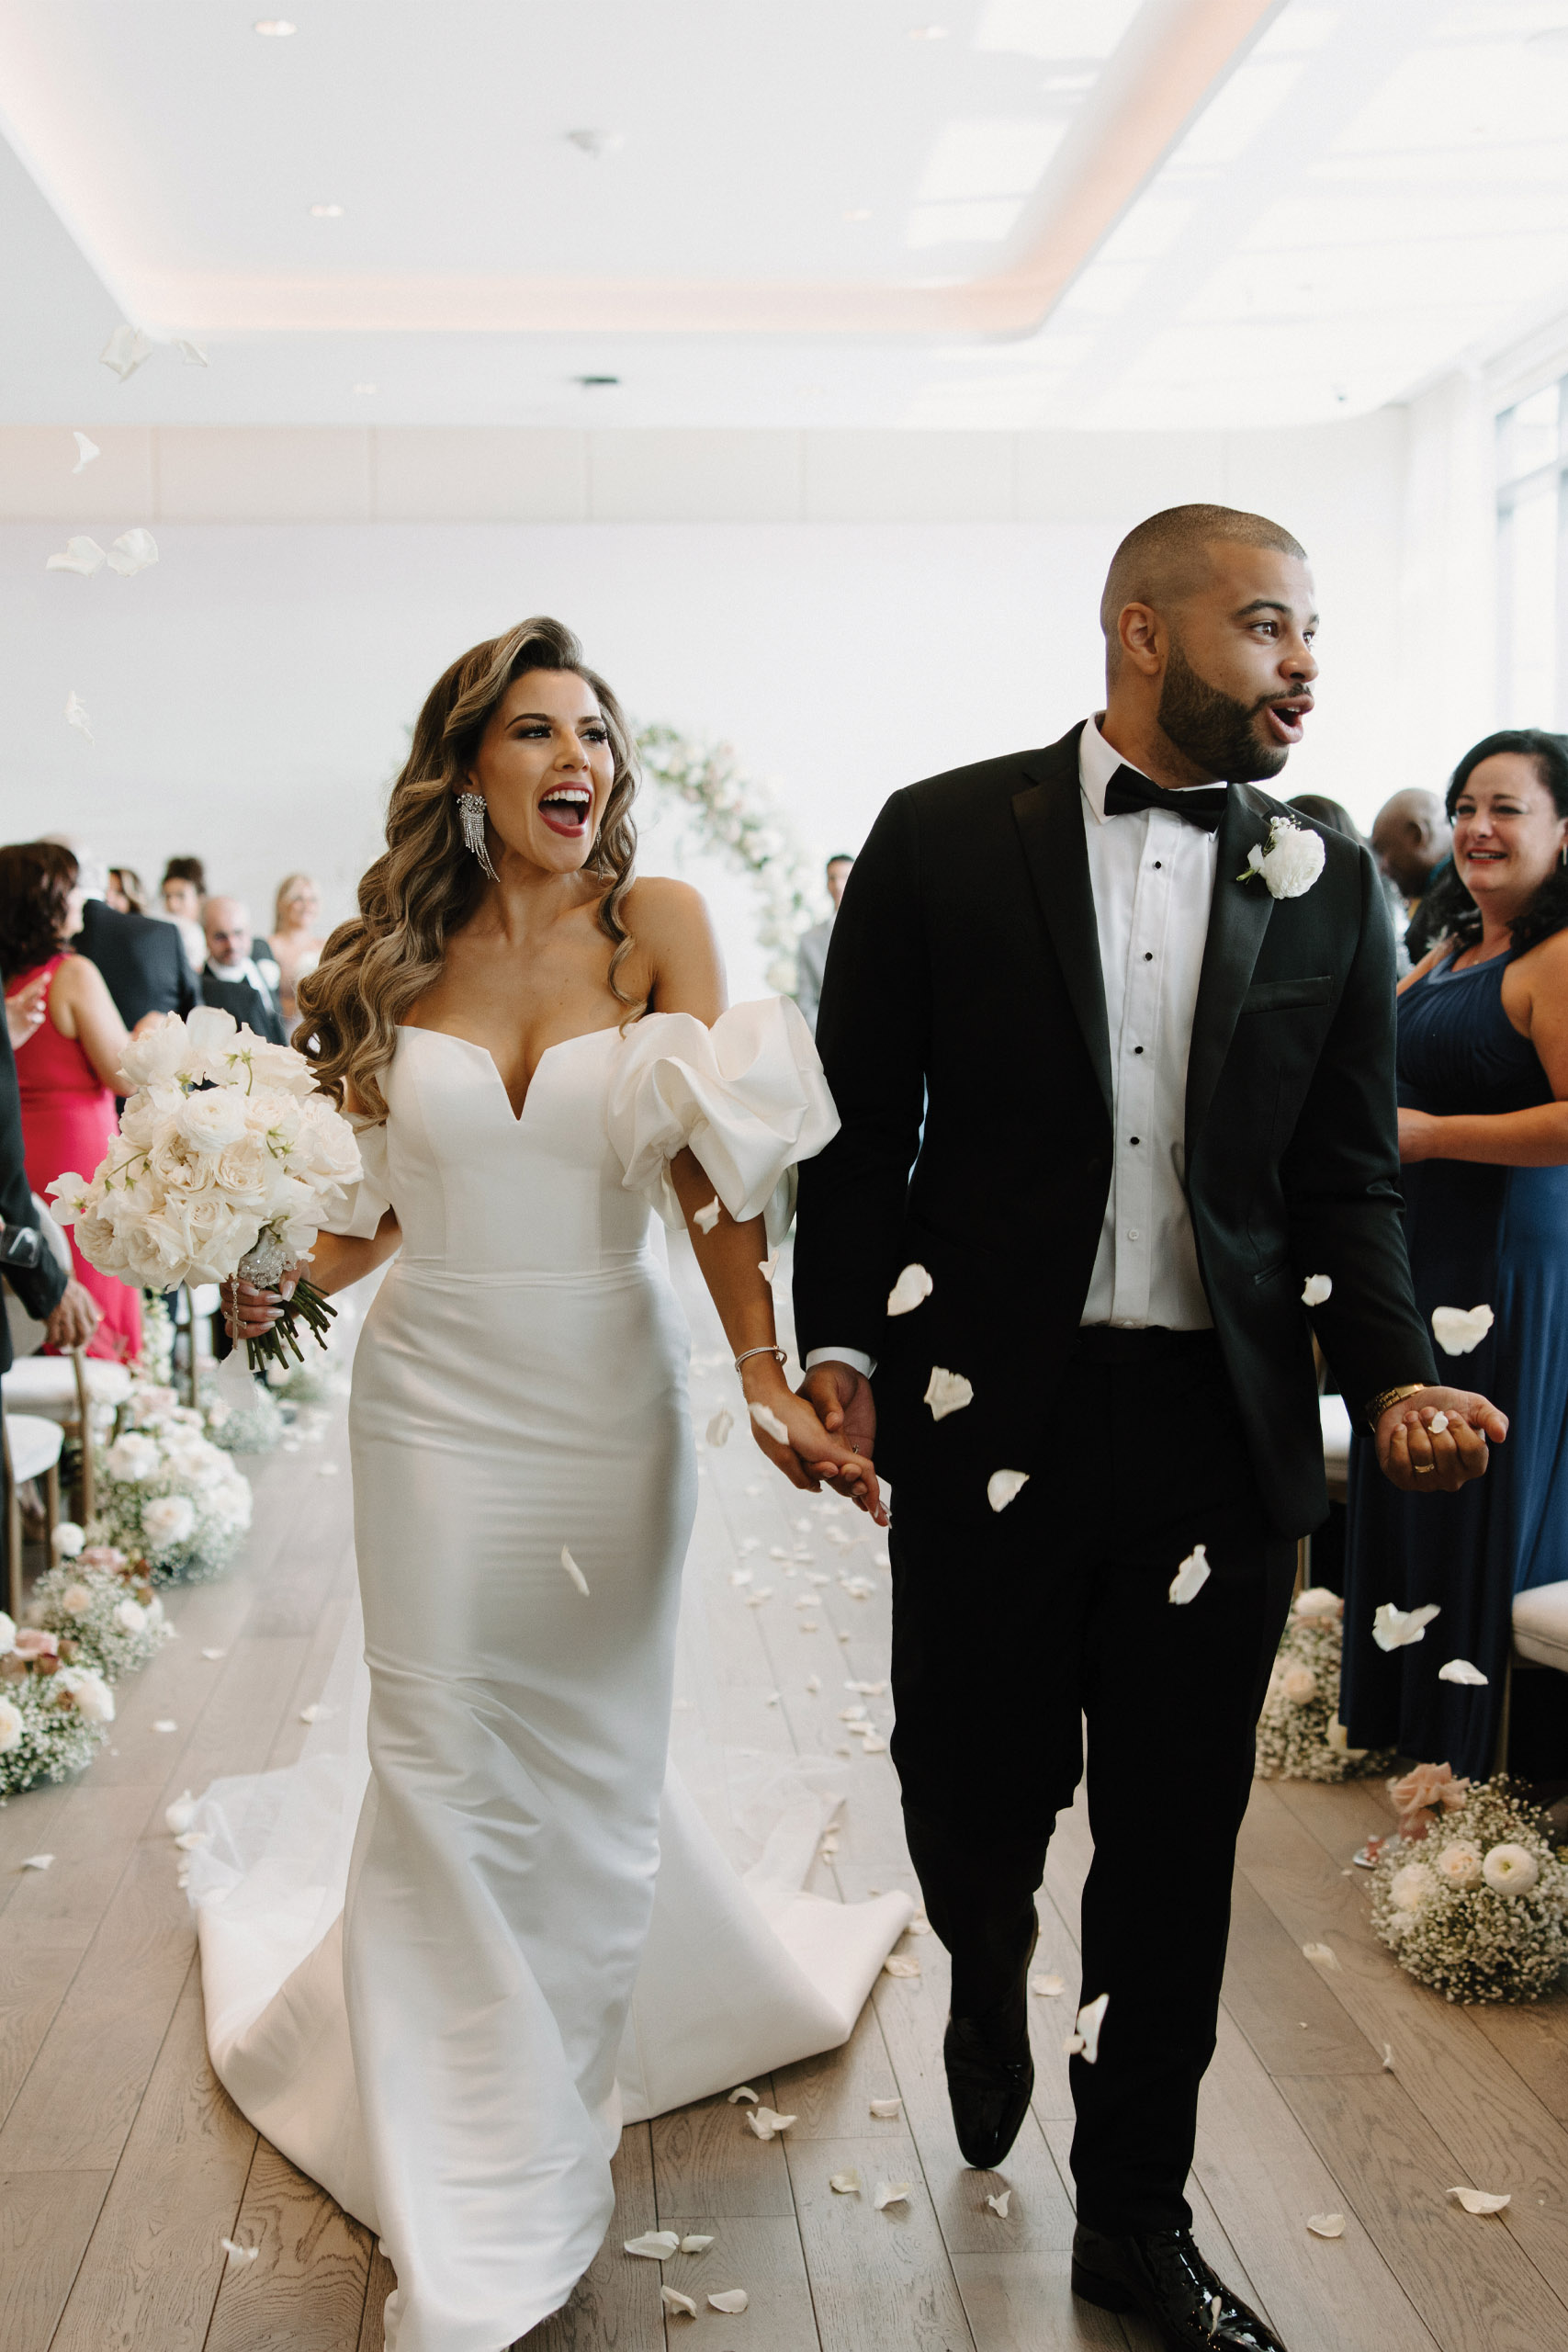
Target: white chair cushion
x=1335, y=1416
x=35, y=1444
x=46, y=1384
x=1541, y=1625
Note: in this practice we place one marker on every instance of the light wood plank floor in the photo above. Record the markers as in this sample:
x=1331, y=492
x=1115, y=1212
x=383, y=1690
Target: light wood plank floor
x=122, y=2164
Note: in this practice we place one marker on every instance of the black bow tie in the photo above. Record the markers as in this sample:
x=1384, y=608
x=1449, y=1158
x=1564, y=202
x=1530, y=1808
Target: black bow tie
x=1200, y=805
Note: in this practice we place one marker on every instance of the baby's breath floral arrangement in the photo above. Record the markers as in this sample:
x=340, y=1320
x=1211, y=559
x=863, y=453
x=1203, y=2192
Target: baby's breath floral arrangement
x=742, y=821
x=1473, y=1897
x=54, y=1713
x=1299, y=1737
x=251, y=1425
x=100, y=1607
x=168, y=1498
x=157, y=1359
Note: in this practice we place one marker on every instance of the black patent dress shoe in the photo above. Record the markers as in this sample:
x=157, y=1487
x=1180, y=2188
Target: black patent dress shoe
x=1161, y=2274
x=990, y=2075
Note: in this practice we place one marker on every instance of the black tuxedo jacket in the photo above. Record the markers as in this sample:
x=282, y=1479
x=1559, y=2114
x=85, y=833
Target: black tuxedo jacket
x=250, y=1008
x=964, y=981
x=142, y=959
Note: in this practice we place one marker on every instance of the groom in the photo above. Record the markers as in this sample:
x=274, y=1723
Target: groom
x=1157, y=1095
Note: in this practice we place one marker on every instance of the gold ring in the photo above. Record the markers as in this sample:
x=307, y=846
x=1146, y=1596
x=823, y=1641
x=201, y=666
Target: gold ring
x=1423, y=1469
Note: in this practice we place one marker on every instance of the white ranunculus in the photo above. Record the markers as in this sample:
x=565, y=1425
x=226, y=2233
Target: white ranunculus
x=133, y=1456
x=1299, y=1683
x=168, y=1520
x=87, y=1692
x=1510, y=1870
x=334, y=1147
x=162, y=1052
x=1411, y=1886
x=213, y=1119
x=76, y=1599
x=11, y=1725
x=131, y=1617
x=1458, y=1864
x=1292, y=860
x=8, y=1634
x=67, y=1540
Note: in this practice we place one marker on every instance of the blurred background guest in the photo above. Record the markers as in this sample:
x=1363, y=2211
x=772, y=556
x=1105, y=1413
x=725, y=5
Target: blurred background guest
x=1484, y=1136
x=126, y=893
x=141, y=958
x=296, y=944
x=69, y=1067
x=1324, y=811
x=242, y=984
x=1411, y=841
x=182, y=890
x=812, y=951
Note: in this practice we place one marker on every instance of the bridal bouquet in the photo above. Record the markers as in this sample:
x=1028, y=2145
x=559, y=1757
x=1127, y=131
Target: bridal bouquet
x=228, y=1162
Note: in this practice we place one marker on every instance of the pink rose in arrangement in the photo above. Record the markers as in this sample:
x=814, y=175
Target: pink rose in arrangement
x=1429, y=1790
x=31, y=1641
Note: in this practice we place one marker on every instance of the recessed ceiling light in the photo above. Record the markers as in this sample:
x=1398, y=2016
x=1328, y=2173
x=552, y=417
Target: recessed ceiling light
x=273, y=28
x=928, y=32
x=597, y=143
x=326, y=212
x=861, y=212
x=595, y=383
x=366, y=389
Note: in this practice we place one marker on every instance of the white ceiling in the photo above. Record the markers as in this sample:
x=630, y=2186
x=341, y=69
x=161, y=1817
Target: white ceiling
x=998, y=213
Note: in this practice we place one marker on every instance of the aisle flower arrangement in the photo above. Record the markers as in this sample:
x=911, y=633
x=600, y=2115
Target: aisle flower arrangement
x=100, y=1607
x=254, y=1426
x=168, y=1498
x=742, y=821
x=55, y=1714
x=1471, y=1898
x=1299, y=1737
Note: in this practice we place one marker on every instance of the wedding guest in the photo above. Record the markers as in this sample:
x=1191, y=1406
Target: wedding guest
x=126, y=893
x=296, y=944
x=812, y=951
x=1412, y=840
x=232, y=976
x=69, y=1067
x=1482, y=1063
x=182, y=890
x=141, y=957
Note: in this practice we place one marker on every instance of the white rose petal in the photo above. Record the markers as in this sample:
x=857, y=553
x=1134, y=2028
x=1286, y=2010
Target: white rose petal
x=1004, y=1487
x=766, y=2120
x=1190, y=1577
x=673, y=2301
x=742, y=2091
x=80, y=554
x=1090, y=2018
x=11, y=1726
x=1438, y=1423
x=896, y=1964
x=38, y=1863
x=214, y=1653
x=238, y=2255
x=695, y=2244
x=768, y=1267
x=1327, y=2225
x=718, y=1428
x=127, y=349
x=732, y=2299
x=885, y=2108
x=1395, y=1629
x=1321, y=1956
x=86, y=451
x=1510, y=1870
x=76, y=715
x=947, y=1392
x=165, y=1723
x=1316, y=1289
x=1458, y=1330
x=573, y=1571
x=1480, y=2201
x=132, y=552
x=913, y=1285
x=1050, y=1987
x=890, y=2192
x=999, y=2205
x=846, y=2184
x=768, y=1421
x=67, y=1540
x=655, y=2245
x=1459, y=1670
x=705, y=1219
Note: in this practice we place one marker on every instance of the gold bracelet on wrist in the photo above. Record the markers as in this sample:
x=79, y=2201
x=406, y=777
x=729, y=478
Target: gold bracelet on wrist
x=1379, y=1406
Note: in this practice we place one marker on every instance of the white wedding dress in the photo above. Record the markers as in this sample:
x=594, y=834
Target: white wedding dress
x=434, y=2013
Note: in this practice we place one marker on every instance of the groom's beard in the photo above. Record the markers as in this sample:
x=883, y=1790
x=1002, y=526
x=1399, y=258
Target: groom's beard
x=1214, y=730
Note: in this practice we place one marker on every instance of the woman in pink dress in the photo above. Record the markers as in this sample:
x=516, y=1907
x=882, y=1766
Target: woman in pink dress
x=67, y=1069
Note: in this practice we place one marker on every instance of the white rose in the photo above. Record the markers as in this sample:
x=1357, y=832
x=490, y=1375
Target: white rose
x=281, y=1067
x=11, y=1725
x=212, y=1035
x=1510, y=1870
x=68, y=1539
x=131, y=1617
x=150, y=1114
x=146, y=1403
x=133, y=1456
x=271, y=1112
x=162, y=1052
x=1411, y=1886
x=1298, y=1683
x=168, y=1520
x=1292, y=860
x=87, y=1692
x=1458, y=1864
x=75, y=1601
x=8, y=1634
x=71, y=1195
x=246, y=1166
x=214, y=1119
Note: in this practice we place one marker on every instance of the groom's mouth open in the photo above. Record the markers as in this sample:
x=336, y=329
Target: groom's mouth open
x=1283, y=719
x=566, y=810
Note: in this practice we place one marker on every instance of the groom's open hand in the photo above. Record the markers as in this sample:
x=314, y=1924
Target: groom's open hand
x=1421, y=1459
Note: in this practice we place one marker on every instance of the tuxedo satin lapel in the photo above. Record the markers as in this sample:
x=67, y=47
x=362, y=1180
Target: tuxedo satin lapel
x=1049, y=815
x=1237, y=921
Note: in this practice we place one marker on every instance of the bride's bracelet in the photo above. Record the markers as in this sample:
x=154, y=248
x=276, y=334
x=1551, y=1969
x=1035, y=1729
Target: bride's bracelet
x=748, y=1353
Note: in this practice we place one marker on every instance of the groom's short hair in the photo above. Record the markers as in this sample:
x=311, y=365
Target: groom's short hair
x=1163, y=559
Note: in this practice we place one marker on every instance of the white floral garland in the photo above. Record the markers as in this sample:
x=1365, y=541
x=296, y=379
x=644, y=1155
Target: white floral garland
x=1299, y=1737
x=54, y=1716
x=743, y=822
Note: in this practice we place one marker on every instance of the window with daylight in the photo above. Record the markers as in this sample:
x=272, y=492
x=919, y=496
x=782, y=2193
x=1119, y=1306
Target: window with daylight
x=1532, y=533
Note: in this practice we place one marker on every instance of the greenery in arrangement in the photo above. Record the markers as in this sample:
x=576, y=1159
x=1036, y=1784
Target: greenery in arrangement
x=1299, y=1737
x=100, y=1607
x=1473, y=1897
x=168, y=1496
x=742, y=821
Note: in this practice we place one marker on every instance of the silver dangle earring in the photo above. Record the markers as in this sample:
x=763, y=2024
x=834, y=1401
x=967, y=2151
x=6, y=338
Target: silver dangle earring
x=471, y=817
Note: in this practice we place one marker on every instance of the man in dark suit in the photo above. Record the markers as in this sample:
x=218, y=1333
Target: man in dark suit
x=1159, y=1097
x=232, y=978
x=142, y=961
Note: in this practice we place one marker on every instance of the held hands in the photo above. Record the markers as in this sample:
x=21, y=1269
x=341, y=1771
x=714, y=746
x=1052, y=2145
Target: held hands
x=809, y=1454
x=250, y=1313
x=1420, y=1460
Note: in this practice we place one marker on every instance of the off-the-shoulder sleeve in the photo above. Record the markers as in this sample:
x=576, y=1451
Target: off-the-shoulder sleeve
x=370, y=1198
x=748, y=1095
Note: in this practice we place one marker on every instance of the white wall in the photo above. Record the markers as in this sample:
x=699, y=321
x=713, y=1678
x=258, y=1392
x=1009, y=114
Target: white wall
x=850, y=611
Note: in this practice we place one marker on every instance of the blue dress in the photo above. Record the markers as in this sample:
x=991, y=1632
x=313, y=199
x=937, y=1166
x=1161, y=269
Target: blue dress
x=1478, y=1235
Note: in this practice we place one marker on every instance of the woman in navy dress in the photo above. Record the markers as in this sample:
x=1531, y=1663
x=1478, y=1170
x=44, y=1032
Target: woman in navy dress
x=1484, y=1136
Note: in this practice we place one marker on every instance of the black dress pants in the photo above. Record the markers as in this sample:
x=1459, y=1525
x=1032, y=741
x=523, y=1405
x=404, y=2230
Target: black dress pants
x=1011, y=1639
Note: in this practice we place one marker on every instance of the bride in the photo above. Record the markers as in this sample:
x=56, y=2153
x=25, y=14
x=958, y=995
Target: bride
x=536, y=1046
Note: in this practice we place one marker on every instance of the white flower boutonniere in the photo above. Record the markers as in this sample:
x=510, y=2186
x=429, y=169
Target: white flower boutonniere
x=1291, y=863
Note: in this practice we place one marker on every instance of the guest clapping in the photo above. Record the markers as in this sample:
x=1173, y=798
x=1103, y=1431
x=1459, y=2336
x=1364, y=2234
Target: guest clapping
x=296, y=944
x=241, y=984
x=1484, y=1136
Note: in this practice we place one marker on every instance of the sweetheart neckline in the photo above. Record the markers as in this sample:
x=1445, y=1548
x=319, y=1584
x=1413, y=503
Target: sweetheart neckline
x=417, y=1029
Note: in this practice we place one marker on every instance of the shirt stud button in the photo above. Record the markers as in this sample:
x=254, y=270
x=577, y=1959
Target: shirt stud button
x=1134, y=1138
x=1138, y=1049
x=1148, y=956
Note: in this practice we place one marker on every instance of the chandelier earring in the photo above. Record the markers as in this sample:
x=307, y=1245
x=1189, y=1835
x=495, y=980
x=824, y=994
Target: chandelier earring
x=471, y=817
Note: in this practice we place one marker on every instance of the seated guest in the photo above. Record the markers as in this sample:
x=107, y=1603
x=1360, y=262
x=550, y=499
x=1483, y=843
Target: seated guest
x=182, y=890
x=812, y=951
x=126, y=893
x=69, y=1067
x=1412, y=840
x=232, y=978
x=1483, y=1067
x=296, y=944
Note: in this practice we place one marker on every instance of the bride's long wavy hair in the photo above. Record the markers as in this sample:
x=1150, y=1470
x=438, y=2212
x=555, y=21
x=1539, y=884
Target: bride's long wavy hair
x=427, y=885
